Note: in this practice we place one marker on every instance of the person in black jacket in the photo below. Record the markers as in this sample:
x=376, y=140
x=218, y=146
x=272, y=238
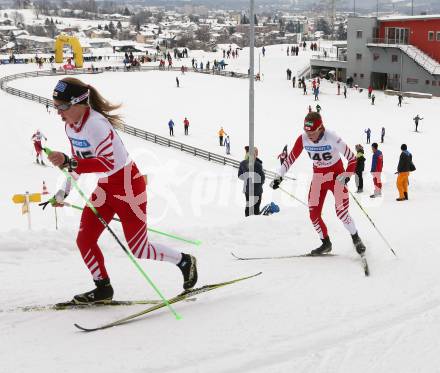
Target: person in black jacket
x=404, y=167
x=360, y=166
x=258, y=181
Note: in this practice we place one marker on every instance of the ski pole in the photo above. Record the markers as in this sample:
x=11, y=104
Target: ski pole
x=294, y=197
x=194, y=242
x=129, y=254
x=371, y=221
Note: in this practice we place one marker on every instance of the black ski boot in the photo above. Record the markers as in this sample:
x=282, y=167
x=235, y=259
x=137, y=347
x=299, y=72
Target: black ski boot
x=406, y=195
x=358, y=244
x=102, y=294
x=325, y=248
x=188, y=266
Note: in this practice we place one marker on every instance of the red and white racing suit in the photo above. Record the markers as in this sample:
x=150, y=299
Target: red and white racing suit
x=327, y=165
x=122, y=190
x=37, y=138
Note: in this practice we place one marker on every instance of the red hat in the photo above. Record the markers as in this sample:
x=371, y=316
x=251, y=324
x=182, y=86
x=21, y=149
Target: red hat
x=311, y=125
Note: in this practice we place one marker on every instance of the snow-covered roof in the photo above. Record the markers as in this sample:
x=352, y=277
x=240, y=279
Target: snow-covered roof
x=408, y=18
x=147, y=33
x=39, y=39
x=8, y=28
x=9, y=45
x=122, y=43
x=19, y=32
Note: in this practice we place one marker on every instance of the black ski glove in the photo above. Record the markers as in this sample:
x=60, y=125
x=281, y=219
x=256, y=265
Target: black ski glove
x=343, y=179
x=70, y=163
x=275, y=184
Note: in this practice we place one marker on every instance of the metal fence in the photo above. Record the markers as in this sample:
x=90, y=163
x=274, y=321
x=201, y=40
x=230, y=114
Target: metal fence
x=157, y=139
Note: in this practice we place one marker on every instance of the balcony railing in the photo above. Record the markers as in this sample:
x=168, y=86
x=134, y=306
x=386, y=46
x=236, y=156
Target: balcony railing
x=342, y=58
x=387, y=41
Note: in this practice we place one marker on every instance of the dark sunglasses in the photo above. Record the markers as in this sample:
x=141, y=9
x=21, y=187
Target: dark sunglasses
x=63, y=107
x=67, y=105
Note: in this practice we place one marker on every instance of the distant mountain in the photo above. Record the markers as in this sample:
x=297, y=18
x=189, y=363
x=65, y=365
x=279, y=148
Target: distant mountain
x=401, y=6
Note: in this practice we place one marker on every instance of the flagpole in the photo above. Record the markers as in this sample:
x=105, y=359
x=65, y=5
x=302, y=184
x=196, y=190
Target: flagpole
x=251, y=108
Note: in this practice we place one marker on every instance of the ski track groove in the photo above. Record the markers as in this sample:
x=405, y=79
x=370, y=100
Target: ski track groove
x=328, y=339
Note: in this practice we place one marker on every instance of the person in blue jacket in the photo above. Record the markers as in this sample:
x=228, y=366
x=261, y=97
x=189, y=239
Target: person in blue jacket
x=376, y=170
x=368, y=132
x=171, y=127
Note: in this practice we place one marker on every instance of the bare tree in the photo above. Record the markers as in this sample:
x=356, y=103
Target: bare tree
x=17, y=17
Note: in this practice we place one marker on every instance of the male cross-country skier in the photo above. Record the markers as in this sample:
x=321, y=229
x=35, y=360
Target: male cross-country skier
x=324, y=148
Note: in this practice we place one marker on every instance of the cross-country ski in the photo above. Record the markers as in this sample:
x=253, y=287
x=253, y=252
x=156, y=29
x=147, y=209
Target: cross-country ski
x=178, y=298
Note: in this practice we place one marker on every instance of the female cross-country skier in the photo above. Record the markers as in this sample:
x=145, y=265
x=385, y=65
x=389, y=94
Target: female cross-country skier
x=324, y=148
x=37, y=139
x=97, y=148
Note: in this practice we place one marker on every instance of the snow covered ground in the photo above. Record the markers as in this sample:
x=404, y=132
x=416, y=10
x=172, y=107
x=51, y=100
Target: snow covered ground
x=301, y=315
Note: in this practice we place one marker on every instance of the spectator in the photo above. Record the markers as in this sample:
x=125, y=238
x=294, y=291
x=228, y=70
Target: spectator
x=221, y=133
x=376, y=170
x=257, y=178
x=368, y=132
x=360, y=166
x=186, y=125
x=171, y=127
x=404, y=167
x=416, y=120
x=228, y=145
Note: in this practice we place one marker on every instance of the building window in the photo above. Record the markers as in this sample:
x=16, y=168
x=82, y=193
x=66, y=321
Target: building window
x=438, y=35
x=430, y=35
x=355, y=75
x=376, y=56
x=394, y=58
x=434, y=83
x=427, y=82
x=359, y=34
x=362, y=76
x=358, y=56
x=412, y=80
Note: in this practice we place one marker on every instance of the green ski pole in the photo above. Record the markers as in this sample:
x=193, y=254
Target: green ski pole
x=129, y=254
x=194, y=242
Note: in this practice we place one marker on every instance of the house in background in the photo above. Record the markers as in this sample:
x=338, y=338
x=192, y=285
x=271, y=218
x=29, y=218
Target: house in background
x=400, y=53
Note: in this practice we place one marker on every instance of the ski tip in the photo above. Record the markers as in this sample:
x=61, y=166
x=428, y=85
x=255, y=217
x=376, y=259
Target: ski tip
x=83, y=329
x=236, y=257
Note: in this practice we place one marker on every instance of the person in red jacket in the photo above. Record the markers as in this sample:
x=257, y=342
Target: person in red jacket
x=97, y=148
x=376, y=170
x=186, y=125
x=324, y=149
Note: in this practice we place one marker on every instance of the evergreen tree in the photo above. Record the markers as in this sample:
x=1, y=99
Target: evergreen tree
x=322, y=25
x=341, y=33
x=112, y=29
